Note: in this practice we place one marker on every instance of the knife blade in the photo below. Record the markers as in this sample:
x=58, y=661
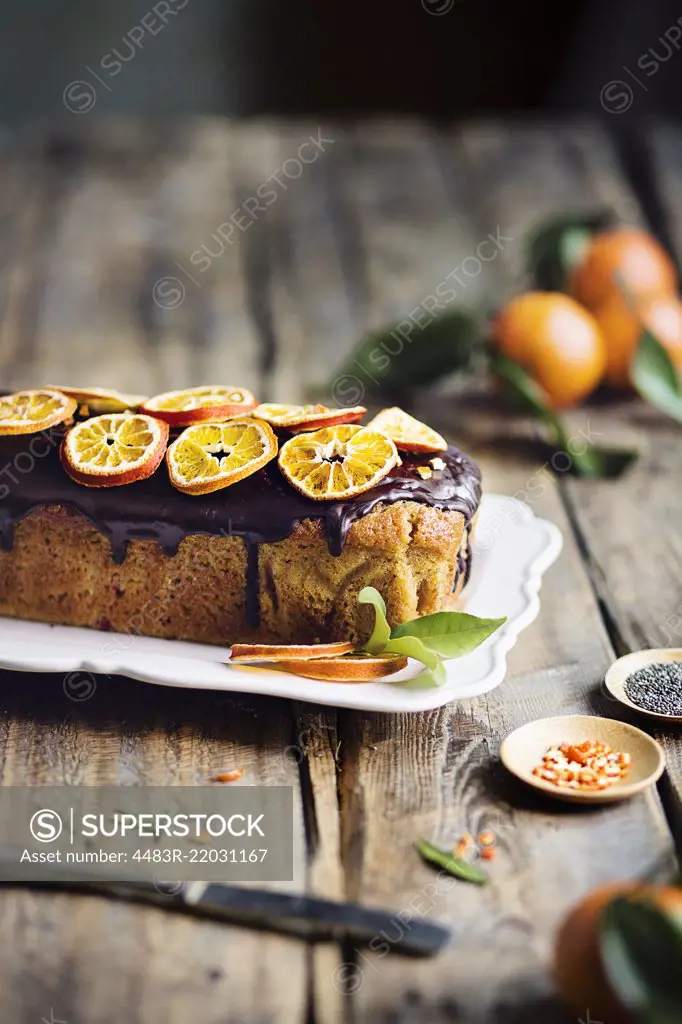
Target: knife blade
x=304, y=917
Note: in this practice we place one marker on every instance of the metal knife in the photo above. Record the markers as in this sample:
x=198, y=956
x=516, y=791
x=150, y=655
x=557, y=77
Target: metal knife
x=305, y=917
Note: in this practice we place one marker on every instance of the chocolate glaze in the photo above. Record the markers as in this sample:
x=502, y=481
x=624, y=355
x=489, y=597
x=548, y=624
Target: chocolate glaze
x=262, y=509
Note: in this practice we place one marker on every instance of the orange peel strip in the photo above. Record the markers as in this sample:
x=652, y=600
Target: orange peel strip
x=348, y=669
x=299, y=652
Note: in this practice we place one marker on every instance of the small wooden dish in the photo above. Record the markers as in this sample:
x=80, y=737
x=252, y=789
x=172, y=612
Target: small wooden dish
x=524, y=748
x=621, y=669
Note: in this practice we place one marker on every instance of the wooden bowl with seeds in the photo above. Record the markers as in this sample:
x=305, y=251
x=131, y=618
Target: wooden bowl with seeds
x=649, y=682
x=524, y=750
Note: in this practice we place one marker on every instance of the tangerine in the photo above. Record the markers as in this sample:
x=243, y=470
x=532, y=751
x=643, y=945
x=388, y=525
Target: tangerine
x=622, y=325
x=622, y=259
x=556, y=341
x=577, y=961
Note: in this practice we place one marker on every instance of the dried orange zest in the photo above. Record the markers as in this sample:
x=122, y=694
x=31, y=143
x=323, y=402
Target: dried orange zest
x=409, y=434
x=277, y=652
x=231, y=776
x=210, y=456
x=591, y=765
x=348, y=669
x=28, y=412
x=296, y=418
x=114, y=449
x=216, y=403
x=99, y=400
x=337, y=462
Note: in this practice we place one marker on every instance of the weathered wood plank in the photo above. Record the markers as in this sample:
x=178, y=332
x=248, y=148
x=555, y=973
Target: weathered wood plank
x=314, y=313
x=664, y=147
x=26, y=196
x=165, y=963
x=439, y=777
x=142, y=265
x=123, y=209
x=525, y=174
x=632, y=530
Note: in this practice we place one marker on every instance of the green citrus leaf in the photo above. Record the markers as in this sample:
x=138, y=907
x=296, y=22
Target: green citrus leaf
x=382, y=631
x=407, y=354
x=559, y=244
x=448, y=862
x=450, y=634
x=413, y=647
x=587, y=460
x=641, y=949
x=655, y=376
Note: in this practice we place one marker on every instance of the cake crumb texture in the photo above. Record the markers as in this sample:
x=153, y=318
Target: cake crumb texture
x=60, y=570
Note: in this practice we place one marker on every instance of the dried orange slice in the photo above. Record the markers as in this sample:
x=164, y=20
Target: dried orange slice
x=337, y=462
x=28, y=412
x=209, y=456
x=409, y=434
x=100, y=400
x=210, y=402
x=279, y=652
x=307, y=417
x=352, y=669
x=114, y=449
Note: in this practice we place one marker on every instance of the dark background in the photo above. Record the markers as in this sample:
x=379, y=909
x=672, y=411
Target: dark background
x=440, y=58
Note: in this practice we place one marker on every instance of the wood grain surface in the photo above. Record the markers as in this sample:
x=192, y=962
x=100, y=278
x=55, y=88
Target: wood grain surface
x=132, y=256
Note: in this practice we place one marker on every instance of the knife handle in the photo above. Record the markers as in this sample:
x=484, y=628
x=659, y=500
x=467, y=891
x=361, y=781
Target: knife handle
x=314, y=918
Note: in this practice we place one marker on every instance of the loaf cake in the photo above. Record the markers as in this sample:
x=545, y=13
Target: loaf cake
x=254, y=561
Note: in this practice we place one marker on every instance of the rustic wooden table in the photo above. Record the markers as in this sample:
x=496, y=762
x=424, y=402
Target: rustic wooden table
x=98, y=284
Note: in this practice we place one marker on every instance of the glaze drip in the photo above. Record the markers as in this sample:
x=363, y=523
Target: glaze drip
x=261, y=509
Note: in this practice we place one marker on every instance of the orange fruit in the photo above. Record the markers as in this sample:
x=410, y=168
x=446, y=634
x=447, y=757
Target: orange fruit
x=360, y=669
x=114, y=449
x=210, y=456
x=577, y=961
x=296, y=418
x=622, y=327
x=100, y=400
x=408, y=434
x=622, y=256
x=193, y=405
x=337, y=462
x=279, y=652
x=556, y=341
x=28, y=412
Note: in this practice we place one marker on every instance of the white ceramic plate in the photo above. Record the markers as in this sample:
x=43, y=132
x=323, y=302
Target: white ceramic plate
x=512, y=550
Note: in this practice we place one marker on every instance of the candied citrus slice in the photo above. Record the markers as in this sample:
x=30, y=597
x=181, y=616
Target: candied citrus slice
x=114, y=449
x=337, y=462
x=278, y=652
x=306, y=417
x=28, y=412
x=352, y=669
x=209, y=456
x=210, y=402
x=409, y=434
x=100, y=400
